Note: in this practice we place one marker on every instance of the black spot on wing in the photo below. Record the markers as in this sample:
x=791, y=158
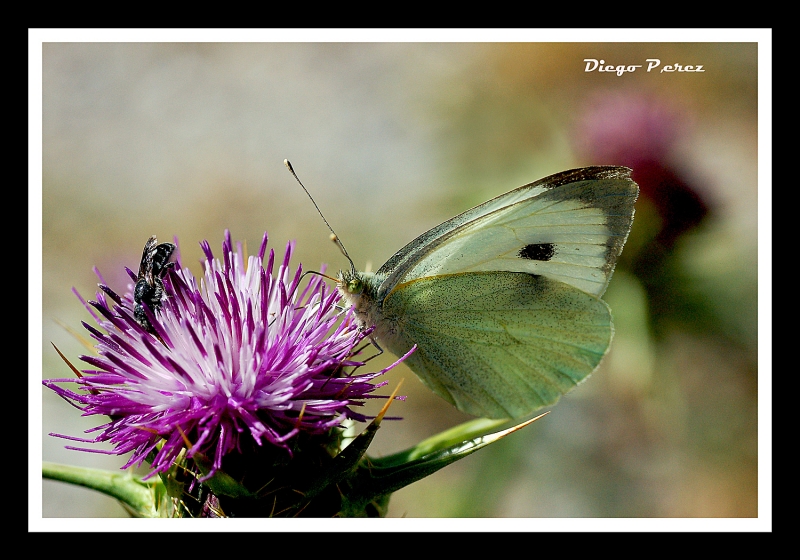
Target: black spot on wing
x=537, y=251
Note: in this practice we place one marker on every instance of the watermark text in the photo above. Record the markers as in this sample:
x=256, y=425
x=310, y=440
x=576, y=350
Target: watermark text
x=652, y=65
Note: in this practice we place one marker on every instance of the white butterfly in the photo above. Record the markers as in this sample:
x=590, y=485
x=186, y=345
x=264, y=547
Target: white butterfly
x=503, y=301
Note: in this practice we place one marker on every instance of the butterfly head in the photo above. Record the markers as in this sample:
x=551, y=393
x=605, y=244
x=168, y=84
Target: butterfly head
x=351, y=284
x=359, y=290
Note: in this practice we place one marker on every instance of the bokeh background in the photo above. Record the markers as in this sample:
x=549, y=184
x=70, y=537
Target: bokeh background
x=187, y=139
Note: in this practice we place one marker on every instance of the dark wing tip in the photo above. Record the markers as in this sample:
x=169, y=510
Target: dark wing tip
x=591, y=173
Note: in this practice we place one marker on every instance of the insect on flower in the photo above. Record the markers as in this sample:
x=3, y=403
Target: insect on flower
x=149, y=283
x=247, y=361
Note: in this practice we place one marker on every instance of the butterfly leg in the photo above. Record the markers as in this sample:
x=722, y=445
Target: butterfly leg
x=376, y=345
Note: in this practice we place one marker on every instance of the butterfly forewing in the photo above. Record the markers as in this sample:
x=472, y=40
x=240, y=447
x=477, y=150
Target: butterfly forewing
x=570, y=227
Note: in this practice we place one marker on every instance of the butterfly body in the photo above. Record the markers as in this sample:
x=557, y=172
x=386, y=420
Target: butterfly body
x=503, y=301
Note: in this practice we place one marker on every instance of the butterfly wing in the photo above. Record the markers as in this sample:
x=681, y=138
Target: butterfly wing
x=570, y=227
x=503, y=301
x=499, y=345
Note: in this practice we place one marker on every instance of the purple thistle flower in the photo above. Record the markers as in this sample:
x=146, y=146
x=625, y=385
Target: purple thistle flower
x=241, y=358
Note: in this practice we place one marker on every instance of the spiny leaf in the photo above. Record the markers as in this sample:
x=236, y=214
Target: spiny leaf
x=381, y=477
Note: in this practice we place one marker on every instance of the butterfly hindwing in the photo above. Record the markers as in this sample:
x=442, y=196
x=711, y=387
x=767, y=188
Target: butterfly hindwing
x=498, y=344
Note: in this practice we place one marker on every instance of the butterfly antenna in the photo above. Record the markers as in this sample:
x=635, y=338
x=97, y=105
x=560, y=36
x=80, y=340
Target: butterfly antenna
x=334, y=237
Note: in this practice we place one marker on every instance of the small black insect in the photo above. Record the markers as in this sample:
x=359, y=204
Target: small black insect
x=149, y=284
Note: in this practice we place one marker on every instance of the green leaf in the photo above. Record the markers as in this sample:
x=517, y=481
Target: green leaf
x=442, y=440
x=137, y=496
x=380, y=477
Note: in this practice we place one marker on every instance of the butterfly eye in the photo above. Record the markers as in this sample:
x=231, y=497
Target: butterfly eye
x=355, y=286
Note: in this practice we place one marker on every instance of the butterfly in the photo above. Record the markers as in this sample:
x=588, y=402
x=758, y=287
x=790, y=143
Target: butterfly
x=502, y=302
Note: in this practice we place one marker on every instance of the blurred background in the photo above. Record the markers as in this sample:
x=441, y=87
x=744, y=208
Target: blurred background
x=187, y=139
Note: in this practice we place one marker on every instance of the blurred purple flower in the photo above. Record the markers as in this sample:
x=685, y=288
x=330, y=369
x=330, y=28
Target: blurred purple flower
x=240, y=357
x=628, y=128
x=640, y=131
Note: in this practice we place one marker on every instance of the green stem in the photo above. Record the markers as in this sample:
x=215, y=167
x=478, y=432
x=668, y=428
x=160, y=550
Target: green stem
x=137, y=496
